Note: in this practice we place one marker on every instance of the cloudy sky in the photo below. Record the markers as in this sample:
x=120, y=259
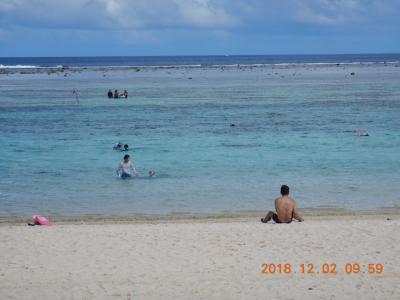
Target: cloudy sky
x=190, y=27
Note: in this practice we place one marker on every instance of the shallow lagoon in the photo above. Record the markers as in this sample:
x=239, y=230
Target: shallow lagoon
x=293, y=125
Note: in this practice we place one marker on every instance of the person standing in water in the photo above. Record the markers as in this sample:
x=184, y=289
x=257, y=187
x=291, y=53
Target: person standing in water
x=110, y=94
x=126, y=168
x=126, y=94
x=116, y=94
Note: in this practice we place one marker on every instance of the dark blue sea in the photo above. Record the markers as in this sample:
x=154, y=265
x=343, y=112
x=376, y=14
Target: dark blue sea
x=194, y=60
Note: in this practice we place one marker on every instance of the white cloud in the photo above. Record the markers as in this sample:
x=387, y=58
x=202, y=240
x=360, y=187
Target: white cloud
x=317, y=12
x=187, y=14
x=115, y=14
x=330, y=12
x=204, y=13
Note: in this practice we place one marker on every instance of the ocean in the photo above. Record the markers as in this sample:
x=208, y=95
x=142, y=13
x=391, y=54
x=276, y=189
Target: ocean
x=209, y=60
x=223, y=133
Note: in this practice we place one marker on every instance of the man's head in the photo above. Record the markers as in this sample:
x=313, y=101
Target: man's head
x=284, y=190
x=126, y=146
x=126, y=157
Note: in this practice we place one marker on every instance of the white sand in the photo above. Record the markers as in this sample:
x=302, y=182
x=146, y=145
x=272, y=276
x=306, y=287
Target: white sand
x=198, y=260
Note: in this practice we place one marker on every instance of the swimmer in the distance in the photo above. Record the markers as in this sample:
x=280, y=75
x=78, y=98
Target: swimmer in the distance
x=361, y=132
x=152, y=173
x=286, y=209
x=126, y=168
x=117, y=146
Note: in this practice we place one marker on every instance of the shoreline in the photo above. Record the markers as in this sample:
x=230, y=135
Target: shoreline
x=308, y=213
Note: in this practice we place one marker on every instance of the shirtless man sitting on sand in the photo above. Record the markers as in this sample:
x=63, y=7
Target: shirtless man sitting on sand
x=286, y=209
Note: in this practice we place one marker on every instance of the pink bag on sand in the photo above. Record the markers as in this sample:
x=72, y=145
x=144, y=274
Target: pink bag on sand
x=39, y=220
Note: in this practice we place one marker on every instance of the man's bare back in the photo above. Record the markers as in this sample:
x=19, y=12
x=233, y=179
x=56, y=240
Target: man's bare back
x=286, y=209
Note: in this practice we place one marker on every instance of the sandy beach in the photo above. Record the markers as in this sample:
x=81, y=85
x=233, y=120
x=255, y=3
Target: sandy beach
x=213, y=258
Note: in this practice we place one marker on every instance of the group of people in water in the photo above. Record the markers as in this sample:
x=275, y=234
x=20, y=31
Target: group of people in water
x=119, y=147
x=126, y=169
x=285, y=206
x=117, y=94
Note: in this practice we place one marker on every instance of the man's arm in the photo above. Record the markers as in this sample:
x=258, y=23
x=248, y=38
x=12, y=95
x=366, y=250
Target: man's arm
x=296, y=213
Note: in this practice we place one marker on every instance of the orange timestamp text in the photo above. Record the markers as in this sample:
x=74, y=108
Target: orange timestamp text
x=352, y=268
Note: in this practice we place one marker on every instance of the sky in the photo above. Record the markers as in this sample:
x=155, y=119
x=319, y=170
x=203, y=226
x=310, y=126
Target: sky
x=197, y=27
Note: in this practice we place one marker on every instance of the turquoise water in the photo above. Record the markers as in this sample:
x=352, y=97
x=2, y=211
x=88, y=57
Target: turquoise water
x=293, y=125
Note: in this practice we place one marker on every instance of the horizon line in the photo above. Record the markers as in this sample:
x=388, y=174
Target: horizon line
x=209, y=55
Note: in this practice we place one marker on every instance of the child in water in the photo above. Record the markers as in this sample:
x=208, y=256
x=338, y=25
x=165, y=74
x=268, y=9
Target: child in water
x=117, y=146
x=126, y=168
